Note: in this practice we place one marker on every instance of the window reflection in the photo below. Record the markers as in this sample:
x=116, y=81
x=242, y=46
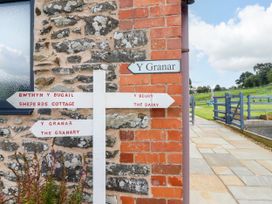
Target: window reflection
x=14, y=48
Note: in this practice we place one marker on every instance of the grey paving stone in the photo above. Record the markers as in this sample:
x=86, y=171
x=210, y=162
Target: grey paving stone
x=256, y=168
x=200, y=166
x=257, y=180
x=241, y=171
x=222, y=160
x=254, y=202
x=251, y=193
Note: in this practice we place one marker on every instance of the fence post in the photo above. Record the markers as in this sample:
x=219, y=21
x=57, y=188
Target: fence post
x=228, y=108
x=248, y=107
x=242, y=123
x=215, y=108
x=193, y=110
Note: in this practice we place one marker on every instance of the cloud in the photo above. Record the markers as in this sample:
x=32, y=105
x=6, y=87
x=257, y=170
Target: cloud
x=13, y=62
x=236, y=45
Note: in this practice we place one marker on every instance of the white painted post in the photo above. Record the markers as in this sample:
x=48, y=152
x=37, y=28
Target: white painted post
x=99, y=137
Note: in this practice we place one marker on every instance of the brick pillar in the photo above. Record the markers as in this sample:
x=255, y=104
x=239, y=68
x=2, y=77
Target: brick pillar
x=160, y=145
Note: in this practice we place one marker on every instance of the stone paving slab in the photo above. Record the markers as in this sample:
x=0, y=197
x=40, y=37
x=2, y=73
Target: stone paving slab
x=257, y=180
x=200, y=166
x=222, y=160
x=256, y=168
x=227, y=168
x=205, y=197
x=254, y=202
x=231, y=180
x=251, y=193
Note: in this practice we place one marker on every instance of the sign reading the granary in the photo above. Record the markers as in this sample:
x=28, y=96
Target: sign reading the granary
x=62, y=128
x=157, y=66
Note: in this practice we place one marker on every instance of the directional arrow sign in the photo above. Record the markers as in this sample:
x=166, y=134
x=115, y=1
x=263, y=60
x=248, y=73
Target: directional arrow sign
x=51, y=100
x=99, y=100
x=153, y=67
x=62, y=128
x=85, y=100
x=138, y=100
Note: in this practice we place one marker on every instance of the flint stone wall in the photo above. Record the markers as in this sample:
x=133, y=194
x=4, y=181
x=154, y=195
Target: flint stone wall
x=73, y=38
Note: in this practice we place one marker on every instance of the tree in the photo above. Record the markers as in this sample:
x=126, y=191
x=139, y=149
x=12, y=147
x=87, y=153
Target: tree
x=252, y=81
x=203, y=89
x=262, y=71
x=232, y=87
x=269, y=76
x=217, y=88
x=241, y=81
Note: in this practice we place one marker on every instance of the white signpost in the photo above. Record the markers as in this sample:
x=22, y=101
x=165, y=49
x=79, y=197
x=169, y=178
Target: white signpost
x=157, y=66
x=85, y=100
x=99, y=100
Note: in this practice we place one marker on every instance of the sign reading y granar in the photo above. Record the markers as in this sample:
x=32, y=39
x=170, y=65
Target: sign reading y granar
x=157, y=66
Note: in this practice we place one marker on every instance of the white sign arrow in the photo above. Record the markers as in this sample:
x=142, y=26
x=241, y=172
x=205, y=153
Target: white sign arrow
x=62, y=128
x=85, y=100
x=157, y=66
x=138, y=100
x=51, y=100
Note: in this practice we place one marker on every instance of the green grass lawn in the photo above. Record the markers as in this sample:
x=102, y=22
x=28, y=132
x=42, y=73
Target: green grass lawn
x=259, y=91
x=205, y=111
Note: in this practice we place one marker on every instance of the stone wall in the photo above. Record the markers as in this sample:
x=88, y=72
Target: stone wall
x=144, y=148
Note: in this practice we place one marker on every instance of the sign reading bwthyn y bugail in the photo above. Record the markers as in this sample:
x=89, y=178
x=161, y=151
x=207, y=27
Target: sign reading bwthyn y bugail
x=158, y=66
x=50, y=100
x=99, y=100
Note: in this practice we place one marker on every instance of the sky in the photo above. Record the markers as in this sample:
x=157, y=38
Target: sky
x=228, y=37
x=14, y=41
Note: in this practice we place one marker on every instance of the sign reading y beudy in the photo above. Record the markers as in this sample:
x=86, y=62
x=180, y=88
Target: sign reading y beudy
x=157, y=66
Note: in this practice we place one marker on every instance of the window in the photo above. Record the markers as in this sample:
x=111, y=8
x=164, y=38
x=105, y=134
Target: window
x=16, y=50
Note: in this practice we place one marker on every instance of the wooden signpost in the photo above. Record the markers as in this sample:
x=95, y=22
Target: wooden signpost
x=99, y=100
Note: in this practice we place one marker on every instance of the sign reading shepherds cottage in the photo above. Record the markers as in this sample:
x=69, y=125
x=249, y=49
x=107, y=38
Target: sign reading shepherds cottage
x=155, y=67
x=99, y=100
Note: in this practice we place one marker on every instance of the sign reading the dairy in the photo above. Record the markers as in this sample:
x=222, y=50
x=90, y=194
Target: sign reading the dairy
x=157, y=66
x=138, y=100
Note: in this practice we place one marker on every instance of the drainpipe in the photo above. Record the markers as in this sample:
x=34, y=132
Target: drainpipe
x=186, y=102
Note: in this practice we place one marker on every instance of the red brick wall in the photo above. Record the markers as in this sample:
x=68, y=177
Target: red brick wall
x=159, y=146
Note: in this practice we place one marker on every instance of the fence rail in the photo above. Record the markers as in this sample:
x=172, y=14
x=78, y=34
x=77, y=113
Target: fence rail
x=231, y=108
x=256, y=104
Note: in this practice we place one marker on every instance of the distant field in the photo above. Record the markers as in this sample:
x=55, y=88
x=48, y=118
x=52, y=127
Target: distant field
x=205, y=111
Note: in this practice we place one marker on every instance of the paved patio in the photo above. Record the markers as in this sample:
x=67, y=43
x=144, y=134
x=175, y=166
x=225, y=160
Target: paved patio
x=228, y=168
